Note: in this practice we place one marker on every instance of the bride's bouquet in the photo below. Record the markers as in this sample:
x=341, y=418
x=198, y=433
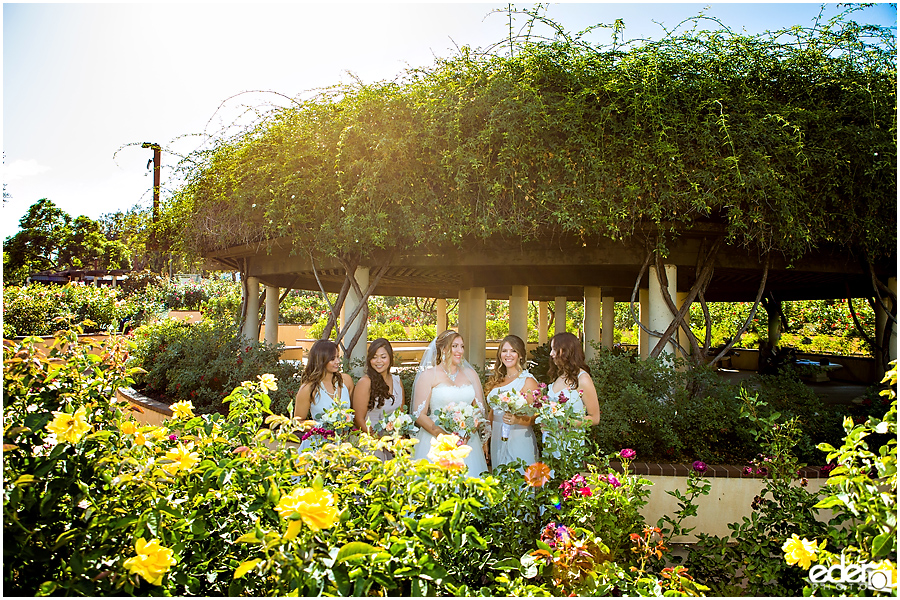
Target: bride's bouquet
x=396, y=423
x=460, y=419
x=514, y=404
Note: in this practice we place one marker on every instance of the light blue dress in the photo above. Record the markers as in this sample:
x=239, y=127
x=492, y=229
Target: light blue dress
x=521, y=443
x=321, y=403
x=578, y=404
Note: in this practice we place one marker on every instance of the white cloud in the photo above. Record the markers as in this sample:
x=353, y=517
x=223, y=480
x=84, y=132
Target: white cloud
x=20, y=169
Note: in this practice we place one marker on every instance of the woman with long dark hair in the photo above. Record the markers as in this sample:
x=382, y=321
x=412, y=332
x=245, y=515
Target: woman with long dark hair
x=322, y=385
x=379, y=392
x=572, y=382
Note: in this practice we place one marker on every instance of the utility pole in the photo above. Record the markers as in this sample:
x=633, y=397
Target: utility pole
x=157, y=151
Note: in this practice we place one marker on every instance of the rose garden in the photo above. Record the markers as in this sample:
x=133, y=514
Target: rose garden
x=546, y=184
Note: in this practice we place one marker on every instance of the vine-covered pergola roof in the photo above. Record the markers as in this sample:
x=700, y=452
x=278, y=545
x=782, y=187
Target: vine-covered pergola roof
x=559, y=164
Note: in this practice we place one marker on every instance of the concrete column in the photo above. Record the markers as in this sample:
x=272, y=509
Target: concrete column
x=609, y=322
x=477, y=338
x=251, y=322
x=591, y=320
x=271, y=324
x=644, y=317
x=774, y=316
x=357, y=354
x=660, y=315
x=559, y=315
x=682, y=336
x=518, y=312
x=113, y=281
x=543, y=322
x=441, y=307
x=462, y=327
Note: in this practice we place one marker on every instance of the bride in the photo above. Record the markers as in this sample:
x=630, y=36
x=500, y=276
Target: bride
x=445, y=377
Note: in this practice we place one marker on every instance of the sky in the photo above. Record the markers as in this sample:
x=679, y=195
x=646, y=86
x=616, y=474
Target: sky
x=85, y=84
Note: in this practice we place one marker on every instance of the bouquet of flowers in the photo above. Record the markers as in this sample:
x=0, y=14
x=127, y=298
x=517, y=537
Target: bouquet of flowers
x=460, y=419
x=514, y=404
x=338, y=418
x=396, y=423
x=558, y=414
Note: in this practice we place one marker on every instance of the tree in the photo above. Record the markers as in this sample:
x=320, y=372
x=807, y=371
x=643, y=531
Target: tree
x=44, y=229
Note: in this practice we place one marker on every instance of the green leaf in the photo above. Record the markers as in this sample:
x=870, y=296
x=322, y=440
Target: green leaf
x=431, y=522
x=355, y=550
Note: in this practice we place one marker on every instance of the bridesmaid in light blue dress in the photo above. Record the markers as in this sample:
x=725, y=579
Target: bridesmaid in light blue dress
x=573, y=380
x=509, y=374
x=322, y=385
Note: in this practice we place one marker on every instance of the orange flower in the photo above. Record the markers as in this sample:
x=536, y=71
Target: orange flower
x=537, y=474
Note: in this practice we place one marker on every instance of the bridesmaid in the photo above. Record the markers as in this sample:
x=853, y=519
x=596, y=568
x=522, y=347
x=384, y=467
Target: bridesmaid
x=571, y=375
x=378, y=393
x=322, y=385
x=510, y=374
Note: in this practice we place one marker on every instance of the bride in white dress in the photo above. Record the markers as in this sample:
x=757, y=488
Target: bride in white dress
x=510, y=375
x=444, y=378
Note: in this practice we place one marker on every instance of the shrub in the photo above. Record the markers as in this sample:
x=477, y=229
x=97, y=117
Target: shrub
x=202, y=362
x=38, y=309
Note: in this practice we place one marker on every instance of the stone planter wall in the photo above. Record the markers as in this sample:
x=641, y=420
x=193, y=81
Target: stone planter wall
x=730, y=496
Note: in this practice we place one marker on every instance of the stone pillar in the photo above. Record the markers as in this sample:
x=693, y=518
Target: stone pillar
x=271, y=324
x=608, y=312
x=682, y=335
x=114, y=280
x=774, y=315
x=477, y=338
x=660, y=315
x=518, y=312
x=251, y=321
x=441, y=307
x=462, y=310
x=559, y=315
x=644, y=317
x=543, y=322
x=591, y=320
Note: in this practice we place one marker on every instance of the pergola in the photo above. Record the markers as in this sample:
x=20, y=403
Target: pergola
x=597, y=272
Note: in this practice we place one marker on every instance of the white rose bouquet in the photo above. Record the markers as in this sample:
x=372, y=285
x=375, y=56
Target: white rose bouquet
x=514, y=404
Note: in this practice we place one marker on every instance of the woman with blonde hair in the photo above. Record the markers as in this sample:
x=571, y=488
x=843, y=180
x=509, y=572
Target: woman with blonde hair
x=445, y=377
x=510, y=376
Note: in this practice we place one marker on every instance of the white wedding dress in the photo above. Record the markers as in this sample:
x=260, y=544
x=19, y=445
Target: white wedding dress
x=442, y=395
x=521, y=442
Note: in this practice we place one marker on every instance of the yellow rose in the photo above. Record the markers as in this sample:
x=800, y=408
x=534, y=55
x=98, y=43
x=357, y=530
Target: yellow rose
x=268, y=382
x=446, y=452
x=183, y=409
x=314, y=507
x=183, y=458
x=128, y=428
x=152, y=560
x=800, y=552
x=140, y=439
x=68, y=427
